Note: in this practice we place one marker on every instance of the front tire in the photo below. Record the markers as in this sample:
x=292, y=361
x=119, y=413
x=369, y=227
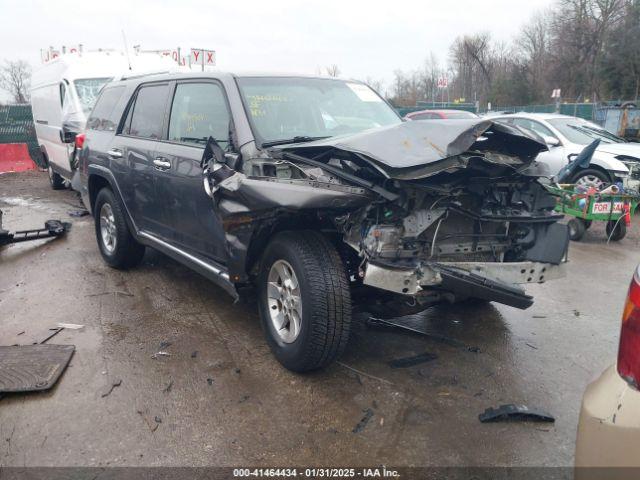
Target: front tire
x=591, y=177
x=118, y=247
x=304, y=300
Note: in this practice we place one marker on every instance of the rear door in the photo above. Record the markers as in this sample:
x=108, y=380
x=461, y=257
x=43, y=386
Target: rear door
x=199, y=109
x=133, y=154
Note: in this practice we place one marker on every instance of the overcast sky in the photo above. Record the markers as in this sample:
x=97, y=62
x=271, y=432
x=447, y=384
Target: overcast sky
x=363, y=38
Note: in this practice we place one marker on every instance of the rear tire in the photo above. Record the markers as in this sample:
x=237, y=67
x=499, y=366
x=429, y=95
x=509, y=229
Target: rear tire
x=118, y=247
x=56, y=181
x=304, y=300
x=616, y=230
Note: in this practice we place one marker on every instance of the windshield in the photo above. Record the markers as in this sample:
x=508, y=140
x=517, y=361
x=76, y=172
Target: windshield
x=88, y=90
x=582, y=132
x=282, y=108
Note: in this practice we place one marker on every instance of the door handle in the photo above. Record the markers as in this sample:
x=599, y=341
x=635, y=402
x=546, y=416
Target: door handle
x=115, y=153
x=161, y=163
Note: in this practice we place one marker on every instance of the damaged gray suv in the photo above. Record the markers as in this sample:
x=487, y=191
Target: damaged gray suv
x=314, y=196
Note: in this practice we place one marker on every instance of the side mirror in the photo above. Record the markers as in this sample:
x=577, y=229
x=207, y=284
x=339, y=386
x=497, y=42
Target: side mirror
x=551, y=141
x=67, y=135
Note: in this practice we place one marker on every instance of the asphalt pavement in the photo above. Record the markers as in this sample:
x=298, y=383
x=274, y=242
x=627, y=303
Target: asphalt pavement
x=216, y=395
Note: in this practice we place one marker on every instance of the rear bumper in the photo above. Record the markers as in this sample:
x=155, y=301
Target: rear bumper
x=609, y=427
x=489, y=280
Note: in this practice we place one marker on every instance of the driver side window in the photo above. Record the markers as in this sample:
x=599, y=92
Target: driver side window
x=199, y=111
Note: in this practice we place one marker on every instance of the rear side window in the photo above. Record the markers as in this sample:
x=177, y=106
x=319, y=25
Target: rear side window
x=102, y=115
x=199, y=111
x=148, y=112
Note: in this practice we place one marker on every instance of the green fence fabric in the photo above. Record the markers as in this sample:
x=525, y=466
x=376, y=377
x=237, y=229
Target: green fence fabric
x=582, y=110
x=468, y=107
x=16, y=126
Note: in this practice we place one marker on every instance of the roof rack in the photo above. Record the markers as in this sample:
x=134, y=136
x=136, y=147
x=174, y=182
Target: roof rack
x=146, y=74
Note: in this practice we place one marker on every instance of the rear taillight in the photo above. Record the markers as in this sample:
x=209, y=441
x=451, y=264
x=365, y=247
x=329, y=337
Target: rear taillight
x=629, y=350
x=80, y=141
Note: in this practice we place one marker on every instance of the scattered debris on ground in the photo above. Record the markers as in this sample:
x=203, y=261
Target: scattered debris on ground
x=515, y=412
x=70, y=326
x=413, y=360
x=116, y=292
x=54, y=331
x=402, y=324
x=52, y=229
x=152, y=424
x=368, y=413
x=78, y=213
x=160, y=354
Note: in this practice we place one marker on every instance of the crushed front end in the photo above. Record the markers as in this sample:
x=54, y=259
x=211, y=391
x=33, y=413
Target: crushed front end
x=424, y=211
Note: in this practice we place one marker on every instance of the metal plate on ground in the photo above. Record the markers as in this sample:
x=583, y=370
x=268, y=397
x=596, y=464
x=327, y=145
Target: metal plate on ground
x=28, y=368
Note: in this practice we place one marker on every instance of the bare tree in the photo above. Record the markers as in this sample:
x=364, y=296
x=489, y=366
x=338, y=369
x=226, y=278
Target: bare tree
x=332, y=70
x=15, y=78
x=374, y=83
x=533, y=46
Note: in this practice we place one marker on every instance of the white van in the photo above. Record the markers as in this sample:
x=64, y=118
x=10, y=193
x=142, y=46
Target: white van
x=63, y=92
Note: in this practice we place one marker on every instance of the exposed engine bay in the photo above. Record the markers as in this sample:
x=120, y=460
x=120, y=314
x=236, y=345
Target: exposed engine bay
x=430, y=210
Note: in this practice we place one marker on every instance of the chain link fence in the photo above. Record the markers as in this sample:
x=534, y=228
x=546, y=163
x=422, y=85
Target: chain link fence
x=16, y=126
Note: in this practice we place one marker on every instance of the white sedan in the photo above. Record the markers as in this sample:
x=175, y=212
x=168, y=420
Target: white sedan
x=615, y=159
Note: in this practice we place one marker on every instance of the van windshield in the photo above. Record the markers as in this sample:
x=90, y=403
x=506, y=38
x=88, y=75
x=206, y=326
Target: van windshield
x=88, y=90
x=296, y=108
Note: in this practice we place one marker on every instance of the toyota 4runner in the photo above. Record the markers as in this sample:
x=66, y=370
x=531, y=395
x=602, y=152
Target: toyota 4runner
x=315, y=195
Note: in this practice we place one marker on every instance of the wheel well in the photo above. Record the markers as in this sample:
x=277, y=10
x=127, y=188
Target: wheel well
x=96, y=183
x=43, y=152
x=600, y=169
x=266, y=230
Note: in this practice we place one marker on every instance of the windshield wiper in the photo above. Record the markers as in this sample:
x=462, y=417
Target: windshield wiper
x=590, y=132
x=605, y=134
x=296, y=139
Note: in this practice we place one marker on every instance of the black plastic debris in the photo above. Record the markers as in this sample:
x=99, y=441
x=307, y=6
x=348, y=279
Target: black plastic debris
x=406, y=362
x=52, y=228
x=27, y=368
x=515, y=412
x=368, y=413
x=78, y=213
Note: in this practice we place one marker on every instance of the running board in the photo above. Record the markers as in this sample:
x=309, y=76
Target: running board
x=214, y=272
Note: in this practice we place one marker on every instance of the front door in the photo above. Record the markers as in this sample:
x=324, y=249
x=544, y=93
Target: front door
x=199, y=110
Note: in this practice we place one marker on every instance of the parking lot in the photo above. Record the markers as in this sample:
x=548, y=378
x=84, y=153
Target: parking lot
x=218, y=396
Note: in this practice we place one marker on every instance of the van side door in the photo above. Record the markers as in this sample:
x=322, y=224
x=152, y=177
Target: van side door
x=199, y=109
x=133, y=152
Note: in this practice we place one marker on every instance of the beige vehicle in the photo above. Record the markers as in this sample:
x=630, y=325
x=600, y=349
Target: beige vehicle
x=609, y=426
